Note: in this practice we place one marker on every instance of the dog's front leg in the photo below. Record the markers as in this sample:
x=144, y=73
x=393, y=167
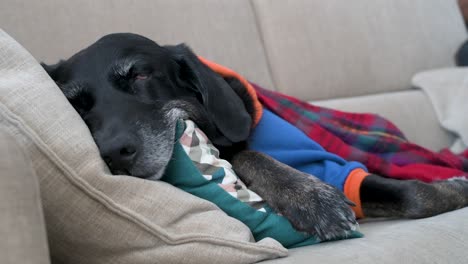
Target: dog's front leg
x=384, y=197
x=308, y=203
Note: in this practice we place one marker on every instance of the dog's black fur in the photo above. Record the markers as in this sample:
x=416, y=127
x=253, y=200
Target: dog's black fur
x=130, y=91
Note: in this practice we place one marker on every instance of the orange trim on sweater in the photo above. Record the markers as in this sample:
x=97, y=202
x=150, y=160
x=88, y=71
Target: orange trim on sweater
x=226, y=72
x=352, y=189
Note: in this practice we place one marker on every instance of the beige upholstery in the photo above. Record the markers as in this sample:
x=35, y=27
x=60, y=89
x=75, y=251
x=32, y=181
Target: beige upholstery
x=436, y=240
x=22, y=229
x=93, y=216
x=364, y=50
x=220, y=30
x=326, y=49
x=316, y=49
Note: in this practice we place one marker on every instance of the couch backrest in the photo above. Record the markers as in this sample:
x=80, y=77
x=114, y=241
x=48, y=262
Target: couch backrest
x=312, y=49
x=347, y=48
x=221, y=30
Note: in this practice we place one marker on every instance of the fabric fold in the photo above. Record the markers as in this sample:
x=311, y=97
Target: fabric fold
x=447, y=90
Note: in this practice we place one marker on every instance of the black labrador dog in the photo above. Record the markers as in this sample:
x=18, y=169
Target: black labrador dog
x=130, y=91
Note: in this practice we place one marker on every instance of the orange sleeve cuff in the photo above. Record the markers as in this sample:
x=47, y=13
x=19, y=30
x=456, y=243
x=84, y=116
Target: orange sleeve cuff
x=352, y=189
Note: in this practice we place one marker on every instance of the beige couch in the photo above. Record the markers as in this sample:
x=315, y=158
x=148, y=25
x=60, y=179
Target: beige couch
x=351, y=55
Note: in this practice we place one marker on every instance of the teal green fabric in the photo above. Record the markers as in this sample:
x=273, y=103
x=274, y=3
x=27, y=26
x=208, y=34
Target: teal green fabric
x=182, y=173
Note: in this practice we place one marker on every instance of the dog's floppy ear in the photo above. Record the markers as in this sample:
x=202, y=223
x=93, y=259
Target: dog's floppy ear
x=225, y=107
x=56, y=71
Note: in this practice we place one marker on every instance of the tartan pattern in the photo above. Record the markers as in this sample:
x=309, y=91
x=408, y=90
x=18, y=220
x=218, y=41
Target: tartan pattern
x=366, y=138
x=206, y=159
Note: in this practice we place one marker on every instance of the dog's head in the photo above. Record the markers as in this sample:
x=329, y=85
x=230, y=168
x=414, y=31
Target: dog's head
x=130, y=92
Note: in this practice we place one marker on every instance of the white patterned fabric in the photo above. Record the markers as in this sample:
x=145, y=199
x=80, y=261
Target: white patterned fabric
x=206, y=158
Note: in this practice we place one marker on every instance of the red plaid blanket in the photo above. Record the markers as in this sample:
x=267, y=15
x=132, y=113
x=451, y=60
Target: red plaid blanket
x=367, y=138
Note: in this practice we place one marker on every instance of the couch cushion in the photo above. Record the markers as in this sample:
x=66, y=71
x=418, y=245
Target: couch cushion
x=222, y=30
x=411, y=111
x=93, y=216
x=439, y=239
x=22, y=227
x=326, y=49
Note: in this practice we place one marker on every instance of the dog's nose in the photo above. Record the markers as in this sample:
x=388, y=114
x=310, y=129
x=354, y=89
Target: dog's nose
x=119, y=156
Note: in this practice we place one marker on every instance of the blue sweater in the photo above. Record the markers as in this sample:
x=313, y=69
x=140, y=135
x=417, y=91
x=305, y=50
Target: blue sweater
x=287, y=144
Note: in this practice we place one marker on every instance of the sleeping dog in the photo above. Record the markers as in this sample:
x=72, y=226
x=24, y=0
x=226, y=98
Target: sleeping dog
x=130, y=91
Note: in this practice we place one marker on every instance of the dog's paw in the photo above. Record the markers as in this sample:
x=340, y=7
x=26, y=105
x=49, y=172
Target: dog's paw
x=317, y=208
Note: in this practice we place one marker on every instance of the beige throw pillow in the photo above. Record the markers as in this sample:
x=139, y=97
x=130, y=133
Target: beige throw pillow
x=94, y=217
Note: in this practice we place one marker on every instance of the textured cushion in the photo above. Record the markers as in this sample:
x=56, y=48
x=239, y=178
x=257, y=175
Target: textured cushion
x=22, y=228
x=92, y=216
x=439, y=239
x=221, y=30
x=411, y=111
x=326, y=49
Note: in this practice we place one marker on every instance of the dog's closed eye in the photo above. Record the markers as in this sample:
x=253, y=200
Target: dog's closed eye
x=127, y=75
x=141, y=76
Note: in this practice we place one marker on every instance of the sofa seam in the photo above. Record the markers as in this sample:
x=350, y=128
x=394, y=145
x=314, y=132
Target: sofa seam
x=259, y=29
